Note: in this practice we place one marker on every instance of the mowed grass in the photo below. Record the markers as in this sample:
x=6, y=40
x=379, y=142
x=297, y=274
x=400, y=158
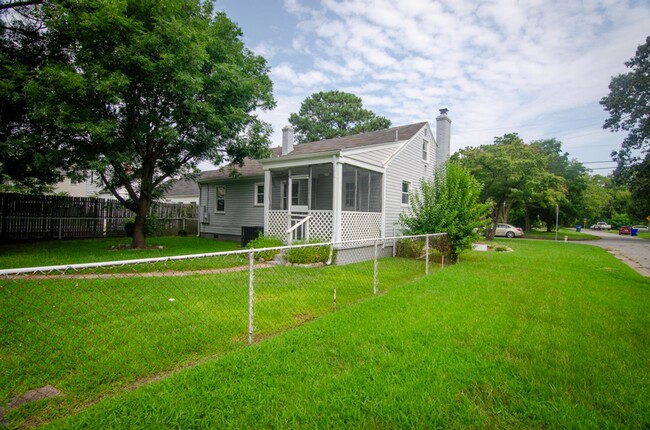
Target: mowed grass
x=64, y=252
x=93, y=336
x=551, y=335
x=570, y=233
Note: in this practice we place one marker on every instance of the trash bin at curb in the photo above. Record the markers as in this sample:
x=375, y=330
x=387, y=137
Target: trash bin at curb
x=578, y=228
x=634, y=232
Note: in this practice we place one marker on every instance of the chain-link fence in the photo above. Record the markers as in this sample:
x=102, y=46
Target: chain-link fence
x=80, y=332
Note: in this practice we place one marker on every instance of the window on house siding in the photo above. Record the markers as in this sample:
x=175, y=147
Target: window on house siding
x=425, y=150
x=406, y=189
x=259, y=194
x=220, y=199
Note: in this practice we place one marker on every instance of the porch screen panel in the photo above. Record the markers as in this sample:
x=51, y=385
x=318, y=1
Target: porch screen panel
x=361, y=190
x=349, y=190
x=322, y=187
x=278, y=190
x=374, y=204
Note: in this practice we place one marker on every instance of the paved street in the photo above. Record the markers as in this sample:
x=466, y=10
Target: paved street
x=633, y=251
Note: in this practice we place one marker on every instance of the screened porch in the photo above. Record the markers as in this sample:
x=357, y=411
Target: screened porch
x=329, y=201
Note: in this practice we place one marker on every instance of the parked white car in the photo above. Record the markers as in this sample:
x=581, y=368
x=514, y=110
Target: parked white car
x=601, y=226
x=507, y=230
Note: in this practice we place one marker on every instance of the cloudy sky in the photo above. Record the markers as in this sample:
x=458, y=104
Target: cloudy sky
x=535, y=67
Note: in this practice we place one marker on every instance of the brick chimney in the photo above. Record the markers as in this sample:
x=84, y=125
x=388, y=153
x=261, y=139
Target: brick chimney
x=287, y=139
x=443, y=136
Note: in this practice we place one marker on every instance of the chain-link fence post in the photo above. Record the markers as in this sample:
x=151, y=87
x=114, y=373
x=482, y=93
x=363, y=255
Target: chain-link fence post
x=251, y=293
x=426, y=252
x=375, y=268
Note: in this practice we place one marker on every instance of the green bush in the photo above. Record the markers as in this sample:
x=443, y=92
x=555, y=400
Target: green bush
x=151, y=226
x=620, y=220
x=265, y=242
x=309, y=254
x=410, y=248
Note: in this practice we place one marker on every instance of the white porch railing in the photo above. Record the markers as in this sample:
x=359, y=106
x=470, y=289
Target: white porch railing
x=295, y=227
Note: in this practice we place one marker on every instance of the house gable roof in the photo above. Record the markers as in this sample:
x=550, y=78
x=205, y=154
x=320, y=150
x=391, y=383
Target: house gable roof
x=184, y=187
x=252, y=168
x=393, y=134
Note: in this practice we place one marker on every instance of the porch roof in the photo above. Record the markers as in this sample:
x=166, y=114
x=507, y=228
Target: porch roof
x=252, y=168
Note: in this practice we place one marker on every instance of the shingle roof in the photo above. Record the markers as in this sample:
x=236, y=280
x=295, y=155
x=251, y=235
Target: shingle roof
x=183, y=188
x=393, y=134
x=253, y=167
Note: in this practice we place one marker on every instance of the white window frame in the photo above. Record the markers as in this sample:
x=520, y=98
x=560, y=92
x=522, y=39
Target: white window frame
x=216, y=199
x=425, y=150
x=406, y=193
x=256, y=194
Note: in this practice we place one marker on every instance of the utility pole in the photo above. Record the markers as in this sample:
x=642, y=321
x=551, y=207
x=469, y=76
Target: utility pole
x=557, y=219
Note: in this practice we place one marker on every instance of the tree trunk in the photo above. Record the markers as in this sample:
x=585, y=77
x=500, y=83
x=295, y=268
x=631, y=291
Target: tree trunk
x=138, y=241
x=526, y=220
x=499, y=214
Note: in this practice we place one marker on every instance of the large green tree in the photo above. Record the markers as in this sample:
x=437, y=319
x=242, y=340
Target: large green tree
x=28, y=161
x=330, y=114
x=449, y=203
x=512, y=173
x=628, y=105
x=575, y=176
x=145, y=90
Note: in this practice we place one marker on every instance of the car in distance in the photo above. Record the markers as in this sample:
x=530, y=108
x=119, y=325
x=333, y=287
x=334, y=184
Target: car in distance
x=601, y=226
x=509, y=231
x=624, y=230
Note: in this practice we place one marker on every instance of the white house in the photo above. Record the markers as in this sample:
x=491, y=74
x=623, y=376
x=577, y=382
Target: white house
x=347, y=188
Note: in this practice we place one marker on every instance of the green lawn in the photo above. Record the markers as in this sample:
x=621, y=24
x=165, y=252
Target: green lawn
x=570, y=233
x=551, y=335
x=52, y=253
x=91, y=336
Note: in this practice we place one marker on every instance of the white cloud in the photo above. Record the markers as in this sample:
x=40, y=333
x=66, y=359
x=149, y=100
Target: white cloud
x=499, y=65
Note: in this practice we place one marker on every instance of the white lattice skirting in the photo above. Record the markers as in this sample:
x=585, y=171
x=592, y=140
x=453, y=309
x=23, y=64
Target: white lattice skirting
x=320, y=225
x=354, y=225
x=278, y=224
x=360, y=225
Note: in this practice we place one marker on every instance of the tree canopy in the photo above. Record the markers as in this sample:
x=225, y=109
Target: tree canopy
x=513, y=173
x=449, y=203
x=140, y=92
x=330, y=114
x=628, y=105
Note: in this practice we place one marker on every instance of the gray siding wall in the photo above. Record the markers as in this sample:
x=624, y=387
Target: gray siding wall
x=240, y=209
x=408, y=166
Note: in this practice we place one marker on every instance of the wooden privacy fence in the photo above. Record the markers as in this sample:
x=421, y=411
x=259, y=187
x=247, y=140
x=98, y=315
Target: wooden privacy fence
x=61, y=217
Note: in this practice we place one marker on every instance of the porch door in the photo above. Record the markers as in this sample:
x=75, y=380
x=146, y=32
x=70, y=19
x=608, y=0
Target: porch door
x=299, y=206
x=299, y=194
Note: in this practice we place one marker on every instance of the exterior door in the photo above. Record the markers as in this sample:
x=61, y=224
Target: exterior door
x=299, y=194
x=299, y=206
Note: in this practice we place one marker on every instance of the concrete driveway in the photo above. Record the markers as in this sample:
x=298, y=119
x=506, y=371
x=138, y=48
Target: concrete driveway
x=633, y=251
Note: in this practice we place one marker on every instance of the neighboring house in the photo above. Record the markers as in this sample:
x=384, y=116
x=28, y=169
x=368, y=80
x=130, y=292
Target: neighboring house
x=347, y=188
x=89, y=187
x=183, y=191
